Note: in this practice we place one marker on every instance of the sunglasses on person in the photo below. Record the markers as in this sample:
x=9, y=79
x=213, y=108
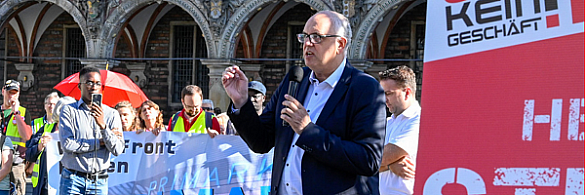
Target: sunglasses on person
x=207, y=108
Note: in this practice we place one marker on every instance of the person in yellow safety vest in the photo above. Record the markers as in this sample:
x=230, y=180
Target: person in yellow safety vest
x=50, y=101
x=15, y=126
x=193, y=119
x=35, y=148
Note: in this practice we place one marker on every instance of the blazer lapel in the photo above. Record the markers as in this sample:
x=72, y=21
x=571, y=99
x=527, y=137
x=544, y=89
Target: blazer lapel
x=338, y=93
x=287, y=132
x=304, y=86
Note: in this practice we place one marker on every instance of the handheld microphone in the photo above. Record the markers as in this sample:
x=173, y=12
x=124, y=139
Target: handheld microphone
x=295, y=76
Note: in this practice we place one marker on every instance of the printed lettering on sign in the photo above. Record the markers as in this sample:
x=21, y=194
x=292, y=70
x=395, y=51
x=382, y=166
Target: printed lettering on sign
x=502, y=102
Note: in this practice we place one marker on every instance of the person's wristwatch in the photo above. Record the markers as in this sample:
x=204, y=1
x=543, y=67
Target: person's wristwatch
x=17, y=112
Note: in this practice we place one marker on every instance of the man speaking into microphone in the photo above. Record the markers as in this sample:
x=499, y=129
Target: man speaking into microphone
x=334, y=138
x=89, y=132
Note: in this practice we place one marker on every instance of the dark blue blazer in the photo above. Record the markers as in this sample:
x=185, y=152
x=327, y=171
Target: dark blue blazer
x=343, y=149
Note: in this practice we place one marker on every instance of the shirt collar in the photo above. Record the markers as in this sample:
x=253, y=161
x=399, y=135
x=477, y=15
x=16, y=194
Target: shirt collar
x=410, y=111
x=333, y=78
x=81, y=104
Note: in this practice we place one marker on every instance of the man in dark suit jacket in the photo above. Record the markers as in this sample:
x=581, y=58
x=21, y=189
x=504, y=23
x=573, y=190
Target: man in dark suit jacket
x=337, y=120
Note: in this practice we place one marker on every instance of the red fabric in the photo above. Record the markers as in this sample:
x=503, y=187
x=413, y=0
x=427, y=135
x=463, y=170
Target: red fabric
x=214, y=122
x=117, y=87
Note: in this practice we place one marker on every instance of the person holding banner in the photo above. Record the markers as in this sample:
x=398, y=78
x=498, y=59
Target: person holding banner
x=397, y=168
x=193, y=119
x=334, y=138
x=127, y=115
x=50, y=101
x=89, y=133
x=150, y=118
x=35, y=148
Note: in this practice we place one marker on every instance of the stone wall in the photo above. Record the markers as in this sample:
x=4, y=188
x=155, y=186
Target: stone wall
x=47, y=72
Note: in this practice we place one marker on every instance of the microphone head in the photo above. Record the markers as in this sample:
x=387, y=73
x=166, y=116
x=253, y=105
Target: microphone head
x=295, y=74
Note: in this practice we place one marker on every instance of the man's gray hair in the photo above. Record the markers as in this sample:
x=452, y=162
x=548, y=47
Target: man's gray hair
x=341, y=24
x=62, y=102
x=51, y=95
x=208, y=101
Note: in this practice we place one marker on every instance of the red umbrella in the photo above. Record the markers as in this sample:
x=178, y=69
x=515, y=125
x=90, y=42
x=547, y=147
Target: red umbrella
x=118, y=87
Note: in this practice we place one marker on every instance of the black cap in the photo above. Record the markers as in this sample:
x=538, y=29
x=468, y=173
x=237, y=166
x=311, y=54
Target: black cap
x=12, y=84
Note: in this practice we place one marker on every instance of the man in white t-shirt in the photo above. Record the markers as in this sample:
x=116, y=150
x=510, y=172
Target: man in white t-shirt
x=401, y=142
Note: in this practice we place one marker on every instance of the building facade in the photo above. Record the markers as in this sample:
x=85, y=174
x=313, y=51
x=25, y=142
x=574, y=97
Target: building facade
x=164, y=45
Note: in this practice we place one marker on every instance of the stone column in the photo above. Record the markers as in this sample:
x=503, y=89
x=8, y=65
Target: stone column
x=25, y=76
x=137, y=73
x=252, y=71
x=360, y=64
x=216, y=91
x=102, y=64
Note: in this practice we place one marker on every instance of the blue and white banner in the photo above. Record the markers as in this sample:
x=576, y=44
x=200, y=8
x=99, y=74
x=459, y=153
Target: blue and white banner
x=178, y=163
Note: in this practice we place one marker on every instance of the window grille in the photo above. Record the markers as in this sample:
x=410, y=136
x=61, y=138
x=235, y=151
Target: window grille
x=186, y=72
x=182, y=69
x=296, y=48
x=75, y=48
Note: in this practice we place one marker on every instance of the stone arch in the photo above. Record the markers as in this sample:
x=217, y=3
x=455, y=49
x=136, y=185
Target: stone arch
x=227, y=39
x=359, y=45
x=127, y=8
x=7, y=8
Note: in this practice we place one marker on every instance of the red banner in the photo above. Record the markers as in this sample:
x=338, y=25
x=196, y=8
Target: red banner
x=502, y=103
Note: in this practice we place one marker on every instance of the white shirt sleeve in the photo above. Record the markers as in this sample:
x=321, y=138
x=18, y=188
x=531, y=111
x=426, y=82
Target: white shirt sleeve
x=407, y=137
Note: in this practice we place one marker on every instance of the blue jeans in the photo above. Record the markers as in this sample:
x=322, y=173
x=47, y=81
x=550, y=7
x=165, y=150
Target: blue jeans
x=4, y=192
x=74, y=184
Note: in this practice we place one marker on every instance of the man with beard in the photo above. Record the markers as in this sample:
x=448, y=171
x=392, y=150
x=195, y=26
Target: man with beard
x=193, y=119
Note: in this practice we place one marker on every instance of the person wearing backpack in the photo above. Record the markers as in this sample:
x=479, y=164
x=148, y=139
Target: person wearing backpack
x=193, y=119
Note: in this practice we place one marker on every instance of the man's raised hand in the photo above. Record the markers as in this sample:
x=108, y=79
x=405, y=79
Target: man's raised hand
x=235, y=83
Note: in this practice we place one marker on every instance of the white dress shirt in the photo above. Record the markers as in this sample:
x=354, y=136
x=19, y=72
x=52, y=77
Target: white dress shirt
x=317, y=96
x=401, y=130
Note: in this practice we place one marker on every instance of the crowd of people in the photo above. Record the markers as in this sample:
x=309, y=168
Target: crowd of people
x=333, y=136
x=89, y=132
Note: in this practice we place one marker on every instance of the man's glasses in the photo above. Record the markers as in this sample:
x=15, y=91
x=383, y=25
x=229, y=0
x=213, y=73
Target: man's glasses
x=207, y=108
x=92, y=84
x=314, y=38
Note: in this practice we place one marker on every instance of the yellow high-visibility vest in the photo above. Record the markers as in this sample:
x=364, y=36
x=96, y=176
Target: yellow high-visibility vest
x=12, y=130
x=202, y=122
x=37, y=124
x=35, y=174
